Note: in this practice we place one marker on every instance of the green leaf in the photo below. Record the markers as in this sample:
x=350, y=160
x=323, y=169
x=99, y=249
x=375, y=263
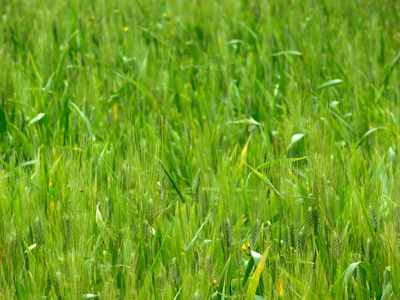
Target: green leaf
x=370, y=273
x=392, y=155
x=330, y=83
x=223, y=280
x=3, y=121
x=267, y=181
x=26, y=143
x=288, y=52
x=250, y=121
x=387, y=291
x=389, y=69
x=249, y=268
x=54, y=166
x=140, y=87
x=35, y=119
x=295, y=139
x=153, y=266
x=10, y=168
x=244, y=25
x=196, y=235
x=82, y=115
x=368, y=133
x=342, y=120
x=366, y=215
x=26, y=164
x=105, y=162
x=278, y=161
x=172, y=181
x=100, y=223
x=293, y=280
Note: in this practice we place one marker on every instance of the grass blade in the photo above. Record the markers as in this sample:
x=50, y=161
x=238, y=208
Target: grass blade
x=330, y=84
x=82, y=115
x=267, y=181
x=251, y=291
x=278, y=161
x=172, y=181
x=370, y=273
x=196, y=235
x=389, y=69
x=368, y=133
x=288, y=52
x=35, y=119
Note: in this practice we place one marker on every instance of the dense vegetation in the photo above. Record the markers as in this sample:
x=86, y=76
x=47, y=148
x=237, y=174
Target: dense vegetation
x=197, y=149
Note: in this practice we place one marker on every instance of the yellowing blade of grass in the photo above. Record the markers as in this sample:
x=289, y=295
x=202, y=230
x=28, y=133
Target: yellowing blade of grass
x=251, y=290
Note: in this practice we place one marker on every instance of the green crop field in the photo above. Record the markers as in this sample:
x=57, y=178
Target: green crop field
x=199, y=149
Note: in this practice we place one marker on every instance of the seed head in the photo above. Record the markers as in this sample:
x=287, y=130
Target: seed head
x=39, y=232
x=209, y=266
x=396, y=217
x=337, y=246
x=161, y=281
x=204, y=205
x=301, y=241
x=254, y=233
x=292, y=237
x=196, y=186
x=67, y=232
x=369, y=251
x=313, y=220
x=146, y=233
x=238, y=257
x=150, y=213
x=228, y=237
x=175, y=274
x=372, y=218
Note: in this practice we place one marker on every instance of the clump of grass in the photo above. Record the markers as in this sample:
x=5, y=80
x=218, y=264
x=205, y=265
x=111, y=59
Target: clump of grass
x=110, y=109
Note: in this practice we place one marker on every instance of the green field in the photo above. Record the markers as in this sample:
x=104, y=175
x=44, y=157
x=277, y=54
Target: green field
x=199, y=149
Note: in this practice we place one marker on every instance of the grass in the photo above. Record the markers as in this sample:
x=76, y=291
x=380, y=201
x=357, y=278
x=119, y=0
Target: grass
x=199, y=149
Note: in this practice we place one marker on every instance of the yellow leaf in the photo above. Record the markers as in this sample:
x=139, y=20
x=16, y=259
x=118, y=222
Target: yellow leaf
x=115, y=109
x=244, y=153
x=251, y=290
